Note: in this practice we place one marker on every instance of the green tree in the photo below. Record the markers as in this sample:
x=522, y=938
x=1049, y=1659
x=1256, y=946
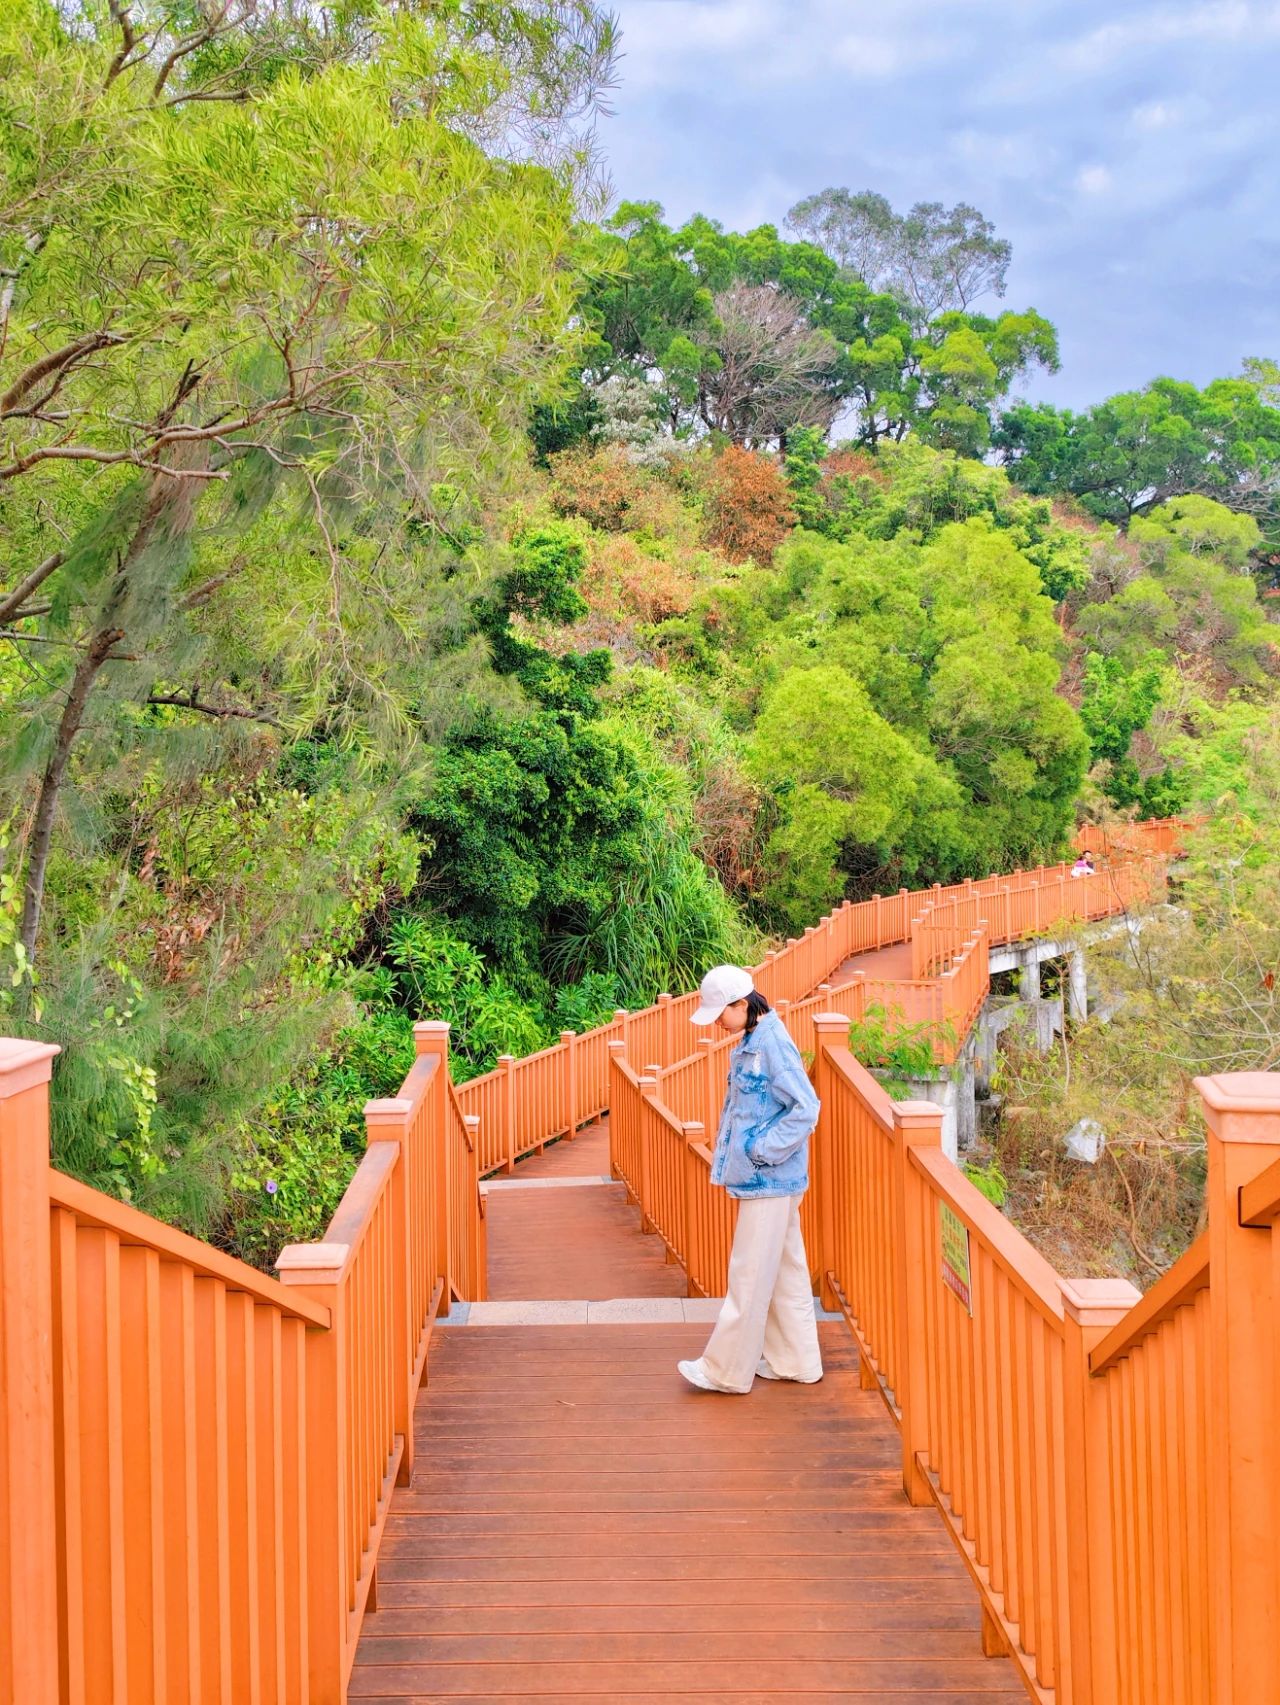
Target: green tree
x=790, y=336
x=1137, y=449
x=243, y=256
x=934, y=258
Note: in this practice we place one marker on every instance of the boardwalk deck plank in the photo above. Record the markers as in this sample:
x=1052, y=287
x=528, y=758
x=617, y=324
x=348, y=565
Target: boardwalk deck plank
x=585, y=1527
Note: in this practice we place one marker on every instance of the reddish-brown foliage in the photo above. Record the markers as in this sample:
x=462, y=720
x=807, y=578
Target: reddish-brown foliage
x=610, y=491
x=852, y=465
x=624, y=582
x=748, y=505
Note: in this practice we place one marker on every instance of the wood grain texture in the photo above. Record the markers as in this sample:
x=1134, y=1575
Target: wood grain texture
x=585, y=1526
x=581, y=1242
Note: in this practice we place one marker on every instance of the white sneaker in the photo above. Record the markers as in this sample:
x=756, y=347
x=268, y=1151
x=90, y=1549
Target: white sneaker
x=697, y=1375
x=764, y=1371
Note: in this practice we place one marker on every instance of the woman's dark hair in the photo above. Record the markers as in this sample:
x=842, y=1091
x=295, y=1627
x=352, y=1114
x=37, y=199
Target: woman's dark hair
x=757, y=1006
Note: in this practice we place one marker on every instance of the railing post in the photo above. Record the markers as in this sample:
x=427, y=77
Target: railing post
x=830, y=1030
x=569, y=1041
x=386, y=1121
x=617, y=1050
x=917, y=1125
x=622, y=1018
x=648, y=1089
x=431, y=1040
x=1242, y=1110
x=28, y=1474
x=694, y=1132
x=710, y=1112
x=904, y=912
x=1088, y=1652
x=507, y=1065
x=480, y=1245
x=668, y=1030
x=316, y=1269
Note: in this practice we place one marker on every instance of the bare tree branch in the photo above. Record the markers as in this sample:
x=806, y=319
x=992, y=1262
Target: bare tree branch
x=191, y=702
x=57, y=361
x=14, y=600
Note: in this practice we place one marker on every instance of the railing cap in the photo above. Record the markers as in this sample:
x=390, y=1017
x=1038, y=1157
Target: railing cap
x=24, y=1064
x=431, y=1036
x=1098, y=1302
x=387, y=1110
x=1241, y=1092
x=831, y=1021
x=312, y=1263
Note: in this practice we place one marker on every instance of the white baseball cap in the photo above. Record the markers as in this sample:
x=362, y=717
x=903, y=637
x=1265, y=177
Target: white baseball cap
x=721, y=987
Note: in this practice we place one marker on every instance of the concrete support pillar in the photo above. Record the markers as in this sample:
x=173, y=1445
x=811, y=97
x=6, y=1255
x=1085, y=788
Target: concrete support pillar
x=1029, y=979
x=1078, y=987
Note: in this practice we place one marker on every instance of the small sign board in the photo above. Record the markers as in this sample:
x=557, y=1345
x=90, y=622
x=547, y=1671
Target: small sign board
x=954, y=1240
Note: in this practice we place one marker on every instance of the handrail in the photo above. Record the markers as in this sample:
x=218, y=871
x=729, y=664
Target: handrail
x=1188, y=1276
x=875, y=1096
x=140, y=1231
x=349, y=1226
x=1107, y=1464
x=1019, y=1259
x=1260, y=1198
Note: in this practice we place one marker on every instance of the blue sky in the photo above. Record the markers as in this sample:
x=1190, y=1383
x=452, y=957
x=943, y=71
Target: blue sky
x=1129, y=151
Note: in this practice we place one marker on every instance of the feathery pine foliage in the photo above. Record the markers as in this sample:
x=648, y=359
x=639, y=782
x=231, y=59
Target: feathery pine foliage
x=279, y=287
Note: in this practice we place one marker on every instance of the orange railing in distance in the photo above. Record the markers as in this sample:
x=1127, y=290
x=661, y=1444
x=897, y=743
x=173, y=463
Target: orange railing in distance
x=525, y=1103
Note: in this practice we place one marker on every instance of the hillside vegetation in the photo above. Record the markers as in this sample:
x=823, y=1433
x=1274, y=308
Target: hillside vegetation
x=422, y=600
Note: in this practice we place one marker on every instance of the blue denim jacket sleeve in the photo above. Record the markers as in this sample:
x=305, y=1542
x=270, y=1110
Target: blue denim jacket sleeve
x=779, y=1137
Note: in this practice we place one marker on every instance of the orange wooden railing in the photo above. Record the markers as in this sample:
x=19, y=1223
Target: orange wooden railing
x=1108, y=1465
x=1065, y=1429
x=196, y=1460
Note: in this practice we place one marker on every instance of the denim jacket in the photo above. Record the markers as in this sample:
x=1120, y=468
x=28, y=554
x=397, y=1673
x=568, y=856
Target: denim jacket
x=762, y=1146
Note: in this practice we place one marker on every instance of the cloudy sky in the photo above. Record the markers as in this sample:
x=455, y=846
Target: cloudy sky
x=1129, y=149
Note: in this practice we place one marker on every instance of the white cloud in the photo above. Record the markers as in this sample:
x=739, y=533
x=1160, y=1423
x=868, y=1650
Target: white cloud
x=1214, y=21
x=869, y=56
x=1093, y=180
x=1156, y=115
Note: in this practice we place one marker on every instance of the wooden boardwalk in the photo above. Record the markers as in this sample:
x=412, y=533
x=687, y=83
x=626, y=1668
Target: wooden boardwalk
x=584, y=1526
x=572, y=1236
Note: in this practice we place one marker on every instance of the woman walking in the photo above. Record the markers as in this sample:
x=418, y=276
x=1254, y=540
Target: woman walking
x=766, y=1325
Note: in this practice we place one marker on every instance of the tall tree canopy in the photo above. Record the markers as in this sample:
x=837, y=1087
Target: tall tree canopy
x=1139, y=448
x=250, y=247
x=754, y=336
x=934, y=258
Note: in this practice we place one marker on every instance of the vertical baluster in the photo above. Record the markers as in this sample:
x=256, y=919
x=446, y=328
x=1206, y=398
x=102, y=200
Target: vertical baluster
x=318, y=1271
x=569, y=1043
x=507, y=1101
x=388, y=1121
x=1243, y=1114
x=28, y=1559
x=479, y=1276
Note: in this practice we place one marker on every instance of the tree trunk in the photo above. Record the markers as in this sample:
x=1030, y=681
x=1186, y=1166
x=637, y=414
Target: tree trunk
x=51, y=785
x=167, y=499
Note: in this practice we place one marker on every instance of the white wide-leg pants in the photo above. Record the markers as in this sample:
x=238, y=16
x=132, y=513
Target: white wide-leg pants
x=769, y=1306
